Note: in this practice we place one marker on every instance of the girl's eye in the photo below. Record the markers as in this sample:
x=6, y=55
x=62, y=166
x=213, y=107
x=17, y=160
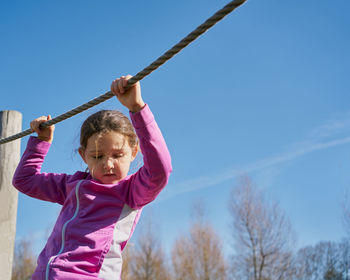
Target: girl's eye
x=118, y=155
x=97, y=157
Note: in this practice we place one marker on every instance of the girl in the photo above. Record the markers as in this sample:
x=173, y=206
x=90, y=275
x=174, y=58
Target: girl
x=100, y=208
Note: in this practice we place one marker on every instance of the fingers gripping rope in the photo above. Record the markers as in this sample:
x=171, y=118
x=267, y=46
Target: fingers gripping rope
x=219, y=15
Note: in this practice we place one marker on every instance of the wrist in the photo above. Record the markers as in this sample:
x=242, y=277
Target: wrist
x=46, y=139
x=137, y=107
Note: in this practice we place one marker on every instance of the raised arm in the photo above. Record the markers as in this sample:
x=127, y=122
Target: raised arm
x=153, y=176
x=145, y=185
x=29, y=180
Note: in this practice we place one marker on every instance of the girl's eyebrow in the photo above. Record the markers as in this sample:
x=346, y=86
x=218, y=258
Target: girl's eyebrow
x=99, y=151
x=118, y=150
x=93, y=152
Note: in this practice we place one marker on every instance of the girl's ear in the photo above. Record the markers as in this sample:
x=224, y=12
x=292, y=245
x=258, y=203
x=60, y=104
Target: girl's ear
x=82, y=154
x=134, y=152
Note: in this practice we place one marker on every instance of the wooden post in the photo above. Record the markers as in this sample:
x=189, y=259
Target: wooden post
x=10, y=123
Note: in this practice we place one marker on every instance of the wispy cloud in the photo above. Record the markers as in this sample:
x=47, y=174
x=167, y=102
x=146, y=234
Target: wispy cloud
x=331, y=128
x=320, y=138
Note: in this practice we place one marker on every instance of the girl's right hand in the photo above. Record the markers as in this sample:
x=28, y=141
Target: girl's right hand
x=46, y=133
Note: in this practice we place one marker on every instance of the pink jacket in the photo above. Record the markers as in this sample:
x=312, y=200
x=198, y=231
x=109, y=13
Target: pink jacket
x=96, y=220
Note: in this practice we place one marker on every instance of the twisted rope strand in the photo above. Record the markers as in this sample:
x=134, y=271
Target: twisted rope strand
x=219, y=15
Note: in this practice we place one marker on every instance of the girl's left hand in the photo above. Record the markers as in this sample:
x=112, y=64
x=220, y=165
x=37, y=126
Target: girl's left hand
x=131, y=98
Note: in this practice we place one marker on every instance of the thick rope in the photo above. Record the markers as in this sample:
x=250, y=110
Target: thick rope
x=219, y=15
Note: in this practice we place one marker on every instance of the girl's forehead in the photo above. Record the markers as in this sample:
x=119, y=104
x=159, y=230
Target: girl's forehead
x=109, y=139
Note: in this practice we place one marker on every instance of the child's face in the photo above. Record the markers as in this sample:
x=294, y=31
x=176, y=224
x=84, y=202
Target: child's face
x=108, y=156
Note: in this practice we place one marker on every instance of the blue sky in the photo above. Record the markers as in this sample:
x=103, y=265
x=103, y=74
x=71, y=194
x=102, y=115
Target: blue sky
x=265, y=92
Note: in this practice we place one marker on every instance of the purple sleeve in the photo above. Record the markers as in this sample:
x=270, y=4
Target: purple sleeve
x=152, y=177
x=29, y=180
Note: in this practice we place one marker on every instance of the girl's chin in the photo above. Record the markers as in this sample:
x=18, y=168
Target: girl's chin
x=109, y=179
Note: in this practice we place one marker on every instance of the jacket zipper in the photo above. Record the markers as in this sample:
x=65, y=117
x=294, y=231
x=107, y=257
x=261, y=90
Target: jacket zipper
x=64, y=230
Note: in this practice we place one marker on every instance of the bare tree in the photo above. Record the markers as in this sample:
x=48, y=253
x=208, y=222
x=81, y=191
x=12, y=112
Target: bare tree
x=326, y=260
x=198, y=255
x=307, y=264
x=262, y=235
x=127, y=259
x=24, y=262
x=346, y=213
x=147, y=260
x=183, y=259
x=344, y=247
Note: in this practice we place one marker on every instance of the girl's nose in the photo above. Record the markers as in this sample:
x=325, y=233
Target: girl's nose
x=109, y=164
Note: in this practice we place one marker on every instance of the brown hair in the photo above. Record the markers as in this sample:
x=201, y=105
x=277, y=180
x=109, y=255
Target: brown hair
x=107, y=120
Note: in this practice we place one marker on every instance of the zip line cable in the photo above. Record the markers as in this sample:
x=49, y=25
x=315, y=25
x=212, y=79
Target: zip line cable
x=219, y=15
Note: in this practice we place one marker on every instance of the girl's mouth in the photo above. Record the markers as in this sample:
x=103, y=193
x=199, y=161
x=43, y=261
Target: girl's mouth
x=109, y=175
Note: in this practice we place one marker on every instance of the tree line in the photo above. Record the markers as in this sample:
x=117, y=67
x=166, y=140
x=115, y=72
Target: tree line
x=263, y=243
